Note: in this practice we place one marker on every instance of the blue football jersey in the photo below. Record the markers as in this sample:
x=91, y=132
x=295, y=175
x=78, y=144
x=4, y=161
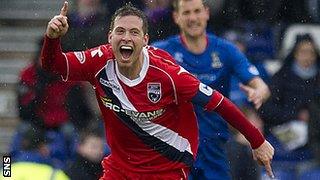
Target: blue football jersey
x=214, y=67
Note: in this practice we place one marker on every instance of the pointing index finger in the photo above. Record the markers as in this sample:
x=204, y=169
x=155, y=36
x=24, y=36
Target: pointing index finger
x=64, y=9
x=269, y=170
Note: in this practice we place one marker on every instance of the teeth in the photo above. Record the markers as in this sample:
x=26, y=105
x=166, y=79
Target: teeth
x=126, y=47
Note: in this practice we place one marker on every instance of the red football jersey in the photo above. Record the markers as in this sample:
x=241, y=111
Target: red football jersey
x=149, y=121
x=146, y=130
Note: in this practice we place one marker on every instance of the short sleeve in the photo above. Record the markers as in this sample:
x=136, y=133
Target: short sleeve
x=186, y=84
x=83, y=65
x=241, y=66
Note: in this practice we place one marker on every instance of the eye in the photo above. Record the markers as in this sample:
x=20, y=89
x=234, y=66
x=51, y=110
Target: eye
x=185, y=12
x=119, y=31
x=135, y=33
x=197, y=11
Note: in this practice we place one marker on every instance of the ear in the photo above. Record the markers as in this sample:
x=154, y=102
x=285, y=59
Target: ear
x=175, y=17
x=207, y=12
x=146, y=39
x=109, y=37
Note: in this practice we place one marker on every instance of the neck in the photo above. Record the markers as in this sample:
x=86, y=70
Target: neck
x=196, y=45
x=304, y=72
x=133, y=70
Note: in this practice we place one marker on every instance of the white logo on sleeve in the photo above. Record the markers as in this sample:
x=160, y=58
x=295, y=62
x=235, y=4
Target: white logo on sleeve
x=181, y=70
x=253, y=70
x=96, y=51
x=207, y=90
x=178, y=56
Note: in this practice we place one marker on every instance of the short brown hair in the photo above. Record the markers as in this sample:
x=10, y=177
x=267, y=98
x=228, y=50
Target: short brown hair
x=175, y=4
x=130, y=10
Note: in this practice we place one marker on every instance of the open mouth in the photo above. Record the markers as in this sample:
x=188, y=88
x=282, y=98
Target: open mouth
x=194, y=25
x=126, y=51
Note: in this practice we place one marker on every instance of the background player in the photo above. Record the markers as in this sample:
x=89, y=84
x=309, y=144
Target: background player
x=213, y=61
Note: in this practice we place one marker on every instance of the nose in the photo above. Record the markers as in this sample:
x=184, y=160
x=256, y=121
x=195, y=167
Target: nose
x=126, y=37
x=192, y=16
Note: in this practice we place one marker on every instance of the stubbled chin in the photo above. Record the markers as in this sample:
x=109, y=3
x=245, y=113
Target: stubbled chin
x=194, y=34
x=123, y=59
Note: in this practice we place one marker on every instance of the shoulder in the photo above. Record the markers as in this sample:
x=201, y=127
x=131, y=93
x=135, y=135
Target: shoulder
x=104, y=50
x=97, y=54
x=162, y=62
x=228, y=50
x=284, y=72
x=160, y=56
x=168, y=43
x=222, y=43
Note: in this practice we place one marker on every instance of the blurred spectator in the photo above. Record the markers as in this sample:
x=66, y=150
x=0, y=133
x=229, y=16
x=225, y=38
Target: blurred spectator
x=314, y=10
x=114, y=5
x=284, y=12
x=32, y=161
x=240, y=11
x=234, y=13
x=261, y=45
x=89, y=154
x=87, y=25
x=314, y=135
x=88, y=29
x=161, y=24
x=294, y=12
x=239, y=152
x=57, y=144
x=286, y=113
x=314, y=126
x=51, y=105
x=47, y=102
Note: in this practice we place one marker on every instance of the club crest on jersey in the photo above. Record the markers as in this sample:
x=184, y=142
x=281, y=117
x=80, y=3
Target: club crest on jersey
x=154, y=92
x=216, y=62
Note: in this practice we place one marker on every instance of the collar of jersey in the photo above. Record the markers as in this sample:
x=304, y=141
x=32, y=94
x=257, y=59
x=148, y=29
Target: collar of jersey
x=142, y=73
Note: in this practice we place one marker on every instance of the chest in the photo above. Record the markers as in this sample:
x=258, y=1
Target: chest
x=150, y=96
x=210, y=67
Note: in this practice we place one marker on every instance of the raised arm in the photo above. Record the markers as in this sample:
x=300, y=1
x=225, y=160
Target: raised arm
x=58, y=25
x=72, y=65
x=52, y=58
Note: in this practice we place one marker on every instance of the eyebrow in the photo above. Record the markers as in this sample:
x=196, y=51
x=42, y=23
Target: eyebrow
x=134, y=28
